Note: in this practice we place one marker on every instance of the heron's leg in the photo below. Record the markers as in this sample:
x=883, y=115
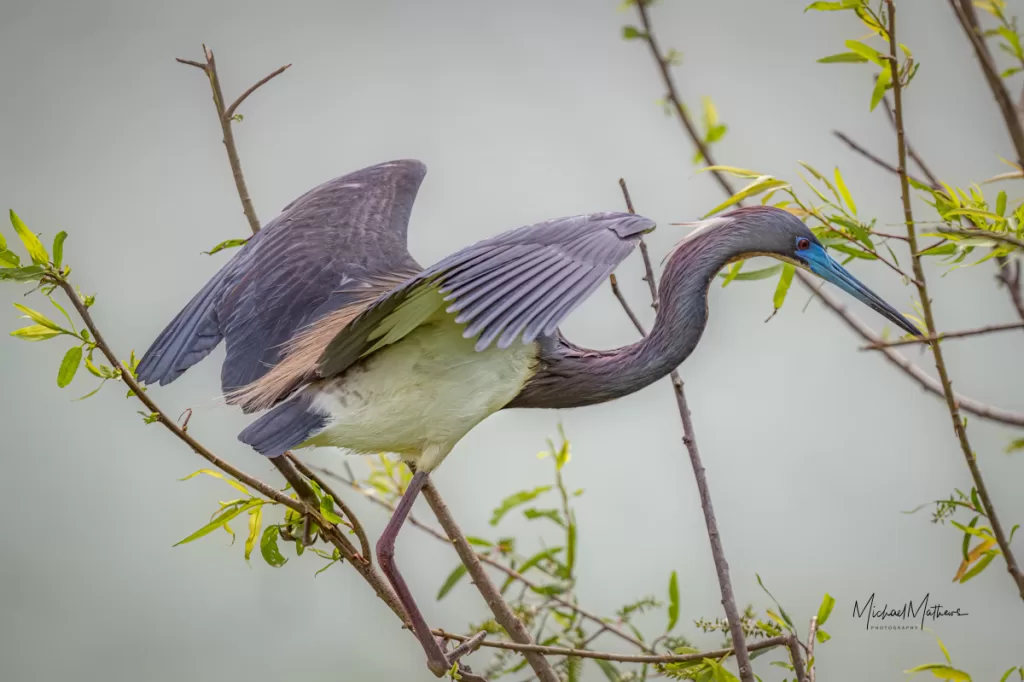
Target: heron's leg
x=302, y=489
x=437, y=660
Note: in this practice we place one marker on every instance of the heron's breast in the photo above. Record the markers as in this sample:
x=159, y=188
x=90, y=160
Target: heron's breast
x=424, y=392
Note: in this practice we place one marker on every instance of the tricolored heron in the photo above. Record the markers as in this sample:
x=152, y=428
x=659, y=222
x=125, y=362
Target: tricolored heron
x=332, y=326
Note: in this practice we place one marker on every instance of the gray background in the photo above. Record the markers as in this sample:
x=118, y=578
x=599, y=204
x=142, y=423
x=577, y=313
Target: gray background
x=523, y=111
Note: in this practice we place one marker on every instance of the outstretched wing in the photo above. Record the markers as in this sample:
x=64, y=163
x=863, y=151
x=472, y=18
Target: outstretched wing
x=519, y=285
x=340, y=245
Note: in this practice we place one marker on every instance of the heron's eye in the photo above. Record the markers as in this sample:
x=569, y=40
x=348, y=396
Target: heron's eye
x=803, y=244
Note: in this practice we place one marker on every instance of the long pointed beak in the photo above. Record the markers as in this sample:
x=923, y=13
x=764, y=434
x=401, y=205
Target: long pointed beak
x=826, y=267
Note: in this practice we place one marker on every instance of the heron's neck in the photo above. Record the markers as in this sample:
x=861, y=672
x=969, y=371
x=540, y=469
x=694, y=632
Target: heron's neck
x=577, y=376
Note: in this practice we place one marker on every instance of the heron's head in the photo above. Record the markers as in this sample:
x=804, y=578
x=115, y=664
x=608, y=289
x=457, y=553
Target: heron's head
x=768, y=231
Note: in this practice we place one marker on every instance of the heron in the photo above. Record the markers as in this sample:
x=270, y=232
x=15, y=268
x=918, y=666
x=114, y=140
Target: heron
x=340, y=338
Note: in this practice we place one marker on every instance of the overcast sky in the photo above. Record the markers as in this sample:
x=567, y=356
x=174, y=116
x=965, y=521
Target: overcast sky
x=522, y=111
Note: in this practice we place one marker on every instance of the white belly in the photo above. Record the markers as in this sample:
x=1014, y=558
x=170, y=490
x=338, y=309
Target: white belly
x=420, y=396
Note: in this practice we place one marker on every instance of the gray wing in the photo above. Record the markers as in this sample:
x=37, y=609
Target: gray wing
x=520, y=284
x=342, y=242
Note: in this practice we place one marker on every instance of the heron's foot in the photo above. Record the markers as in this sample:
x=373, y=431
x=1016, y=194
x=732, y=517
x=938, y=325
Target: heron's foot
x=449, y=659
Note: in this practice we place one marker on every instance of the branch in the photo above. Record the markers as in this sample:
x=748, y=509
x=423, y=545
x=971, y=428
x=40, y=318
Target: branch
x=732, y=613
x=983, y=234
x=812, y=632
x=512, y=573
x=625, y=305
x=621, y=658
x=946, y=335
x=501, y=610
x=210, y=68
x=932, y=179
x=357, y=527
x=799, y=667
x=926, y=306
x=968, y=19
x=878, y=161
x=261, y=82
x=926, y=382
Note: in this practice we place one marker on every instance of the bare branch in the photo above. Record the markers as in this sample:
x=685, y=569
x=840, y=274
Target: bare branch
x=941, y=336
x=812, y=632
x=983, y=234
x=252, y=88
x=799, y=667
x=932, y=179
x=501, y=610
x=625, y=305
x=769, y=643
x=878, y=161
x=210, y=68
x=732, y=613
x=357, y=527
x=926, y=305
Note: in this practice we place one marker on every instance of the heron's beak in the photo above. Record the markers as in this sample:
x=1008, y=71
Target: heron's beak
x=826, y=267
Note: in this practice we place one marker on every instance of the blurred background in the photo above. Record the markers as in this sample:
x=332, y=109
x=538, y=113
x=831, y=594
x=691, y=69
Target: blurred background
x=522, y=111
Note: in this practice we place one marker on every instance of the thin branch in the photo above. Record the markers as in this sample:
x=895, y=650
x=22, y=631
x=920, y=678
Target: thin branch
x=926, y=306
x=922, y=378
x=357, y=527
x=677, y=103
x=878, y=161
x=732, y=613
x=210, y=68
x=503, y=613
x=965, y=14
x=261, y=82
x=799, y=667
x=625, y=305
x=512, y=573
x=812, y=632
x=983, y=234
x=941, y=336
x=1009, y=277
x=769, y=643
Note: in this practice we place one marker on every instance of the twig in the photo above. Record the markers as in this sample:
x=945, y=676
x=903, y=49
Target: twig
x=983, y=234
x=503, y=614
x=1009, y=277
x=677, y=103
x=941, y=336
x=621, y=658
x=732, y=613
x=510, y=572
x=357, y=527
x=926, y=306
x=799, y=667
x=878, y=161
x=210, y=69
x=968, y=19
x=926, y=382
x=933, y=180
x=812, y=632
x=263, y=81
x=625, y=305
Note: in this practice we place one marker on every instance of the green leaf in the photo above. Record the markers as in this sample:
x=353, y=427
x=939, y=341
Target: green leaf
x=673, y=601
x=480, y=542
x=539, y=557
x=9, y=259
x=632, y=33
x=38, y=317
x=763, y=273
x=226, y=244
x=980, y=566
x=216, y=474
x=552, y=514
x=453, y=578
x=869, y=53
x=35, y=248
x=513, y=501
x=785, y=616
x=35, y=332
x=761, y=184
x=1007, y=674
x=845, y=192
x=221, y=520
x=843, y=58
x=327, y=510
x=825, y=610
x=822, y=636
x=881, y=84
x=69, y=365
x=268, y=547
x=941, y=671
x=785, y=279
x=609, y=670
x=732, y=170
x=28, y=273
x=58, y=248
x=1001, y=203
x=832, y=6
x=255, y=521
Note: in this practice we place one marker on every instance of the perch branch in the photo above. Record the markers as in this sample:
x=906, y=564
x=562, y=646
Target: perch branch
x=732, y=613
x=357, y=527
x=502, y=611
x=261, y=82
x=941, y=336
x=926, y=306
